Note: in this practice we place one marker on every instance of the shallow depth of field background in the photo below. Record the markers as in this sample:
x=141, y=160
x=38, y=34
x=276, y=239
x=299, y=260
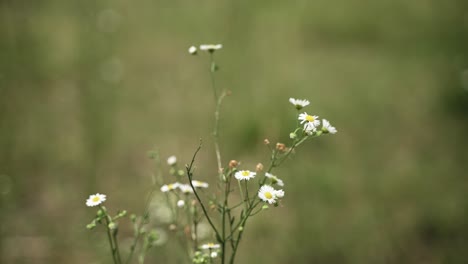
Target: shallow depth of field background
x=88, y=87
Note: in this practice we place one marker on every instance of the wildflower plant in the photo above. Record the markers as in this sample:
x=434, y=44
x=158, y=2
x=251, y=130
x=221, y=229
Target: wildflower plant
x=240, y=193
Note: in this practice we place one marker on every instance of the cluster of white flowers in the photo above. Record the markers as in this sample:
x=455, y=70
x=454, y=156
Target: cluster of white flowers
x=311, y=122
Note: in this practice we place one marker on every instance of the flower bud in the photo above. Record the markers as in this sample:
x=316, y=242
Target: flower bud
x=266, y=141
x=112, y=225
x=172, y=227
x=280, y=146
x=259, y=167
x=292, y=135
x=193, y=50
x=233, y=164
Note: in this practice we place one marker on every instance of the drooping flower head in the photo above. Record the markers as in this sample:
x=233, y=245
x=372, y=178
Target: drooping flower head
x=269, y=194
x=274, y=179
x=244, y=175
x=299, y=103
x=95, y=199
x=327, y=127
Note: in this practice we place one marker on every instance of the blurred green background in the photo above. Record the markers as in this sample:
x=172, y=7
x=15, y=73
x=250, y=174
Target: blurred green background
x=88, y=87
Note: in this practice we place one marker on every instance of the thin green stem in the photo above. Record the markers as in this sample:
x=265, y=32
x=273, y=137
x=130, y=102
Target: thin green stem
x=109, y=235
x=205, y=212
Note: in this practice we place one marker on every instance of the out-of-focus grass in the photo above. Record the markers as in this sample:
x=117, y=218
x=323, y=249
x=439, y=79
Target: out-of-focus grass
x=87, y=88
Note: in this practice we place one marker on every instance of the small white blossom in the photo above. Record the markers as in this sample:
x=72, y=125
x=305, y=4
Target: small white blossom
x=210, y=47
x=244, y=175
x=299, y=103
x=210, y=246
x=180, y=203
x=199, y=184
x=192, y=50
x=186, y=188
x=309, y=120
x=327, y=127
x=274, y=179
x=214, y=254
x=269, y=194
x=170, y=187
x=95, y=199
x=172, y=160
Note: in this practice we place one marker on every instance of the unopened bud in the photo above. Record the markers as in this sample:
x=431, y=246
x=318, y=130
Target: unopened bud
x=266, y=141
x=259, y=167
x=112, y=225
x=91, y=225
x=280, y=146
x=123, y=213
x=133, y=218
x=228, y=93
x=172, y=227
x=233, y=164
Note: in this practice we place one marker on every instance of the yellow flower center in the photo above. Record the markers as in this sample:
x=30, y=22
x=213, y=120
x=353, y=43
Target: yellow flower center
x=310, y=118
x=268, y=195
x=96, y=199
x=245, y=173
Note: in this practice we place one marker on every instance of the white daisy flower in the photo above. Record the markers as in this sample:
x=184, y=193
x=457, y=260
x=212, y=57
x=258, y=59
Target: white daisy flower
x=269, y=194
x=170, y=187
x=95, y=199
x=180, y=203
x=200, y=184
x=192, y=50
x=210, y=47
x=244, y=175
x=299, y=103
x=210, y=246
x=172, y=160
x=186, y=188
x=214, y=254
x=274, y=179
x=309, y=119
x=327, y=127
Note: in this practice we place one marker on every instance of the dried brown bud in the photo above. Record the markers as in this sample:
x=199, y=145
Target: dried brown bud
x=213, y=207
x=194, y=202
x=259, y=167
x=233, y=164
x=266, y=141
x=280, y=147
x=228, y=92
